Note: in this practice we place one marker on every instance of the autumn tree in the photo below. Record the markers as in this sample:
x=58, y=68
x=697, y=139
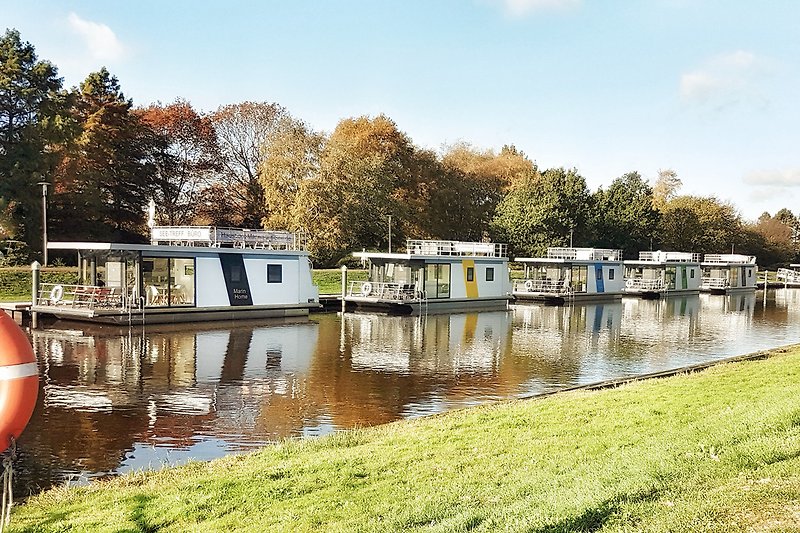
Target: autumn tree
x=31, y=119
x=699, y=224
x=186, y=157
x=244, y=133
x=107, y=172
x=624, y=216
x=544, y=210
x=291, y=163
x=665, y=187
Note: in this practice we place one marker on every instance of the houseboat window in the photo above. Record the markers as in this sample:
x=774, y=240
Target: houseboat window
x=610, y=273
x=691, y=273
x=470, y=274
x=274, y=273
x=437, y=280
x=168, y=281
x=489, y=273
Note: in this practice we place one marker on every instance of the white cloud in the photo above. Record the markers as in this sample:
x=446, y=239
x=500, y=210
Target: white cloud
x=774, y=178
x=727, y=78
x=99, y=39
x=521, y=8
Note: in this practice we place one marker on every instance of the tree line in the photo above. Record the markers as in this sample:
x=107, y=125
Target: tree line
x=253, y=164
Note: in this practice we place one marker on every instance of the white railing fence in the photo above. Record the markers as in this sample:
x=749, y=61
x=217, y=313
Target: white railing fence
x=585, y=254
x=83, y=297
x=384, y=291
x=542, y=286
x=714, y=283
x=788, y=276
x=641, y=284
x=456, y=248
x=212, y=236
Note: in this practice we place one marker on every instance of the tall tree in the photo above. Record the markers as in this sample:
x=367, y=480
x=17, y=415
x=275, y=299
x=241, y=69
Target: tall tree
x=244, y=133
x=107, y=173
x=624, y=216
x=699, y=224
x=666, y=187
x=544, y=210
x=186, y=158
x=31, y=103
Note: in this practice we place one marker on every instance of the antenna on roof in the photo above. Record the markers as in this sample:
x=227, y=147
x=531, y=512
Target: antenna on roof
x=151, y=214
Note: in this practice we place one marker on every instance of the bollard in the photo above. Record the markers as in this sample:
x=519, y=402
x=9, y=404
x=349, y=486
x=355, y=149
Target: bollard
x=35, y=267
x=344, y=284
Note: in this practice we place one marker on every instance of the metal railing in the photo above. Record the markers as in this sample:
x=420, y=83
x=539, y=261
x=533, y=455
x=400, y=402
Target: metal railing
x=542, y=286
x=586, y=254
x=384, y=291
x=641, y=284
x=788, y=276
x=730, y=258
x=662, y=257
x=456, y=248
x=714, y=283
x=212, y=236
x=83, y=297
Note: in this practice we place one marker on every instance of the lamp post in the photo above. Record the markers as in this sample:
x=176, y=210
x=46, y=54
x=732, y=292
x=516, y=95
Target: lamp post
x=44, y=185
x=390, y=233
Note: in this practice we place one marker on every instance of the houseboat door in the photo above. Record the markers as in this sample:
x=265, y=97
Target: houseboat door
x=669, y=277
x=578, y=278
x=734, y=276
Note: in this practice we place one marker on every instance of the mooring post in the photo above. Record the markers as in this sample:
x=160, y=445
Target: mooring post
x=344, y=284
x=35, y=267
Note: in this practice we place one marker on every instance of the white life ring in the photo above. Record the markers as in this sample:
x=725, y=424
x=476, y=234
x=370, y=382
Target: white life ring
x=629, y=283
x=366, y=288
x=56, y=293
x=529, y=284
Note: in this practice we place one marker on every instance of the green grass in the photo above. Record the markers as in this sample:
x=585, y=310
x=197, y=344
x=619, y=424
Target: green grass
x=712, y=451
x=329, y=280
x=15, y=282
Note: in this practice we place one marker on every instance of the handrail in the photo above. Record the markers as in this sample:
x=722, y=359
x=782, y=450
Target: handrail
x=642, y=284
x=788, y=275
x=542, y=286
x=662, y=257
x=456, y=248
x=714, y=283
x=216, y=237
x=730, y=258
x=586, y=254
x=384, y=291
x=80, y=296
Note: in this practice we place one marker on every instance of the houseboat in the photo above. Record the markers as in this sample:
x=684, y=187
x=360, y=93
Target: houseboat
x=725, y=273
x=657, y=273
x=434, y=276
x=186, y=274
x=790, y=277
x=571, y=274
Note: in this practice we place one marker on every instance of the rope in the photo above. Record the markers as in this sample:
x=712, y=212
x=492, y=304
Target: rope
x=7, y=487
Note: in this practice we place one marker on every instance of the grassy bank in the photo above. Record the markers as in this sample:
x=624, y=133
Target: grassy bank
x=713, y=451
x=15, y=282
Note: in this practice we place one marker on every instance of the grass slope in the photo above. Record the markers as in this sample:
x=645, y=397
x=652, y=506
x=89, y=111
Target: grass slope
x=713, y=451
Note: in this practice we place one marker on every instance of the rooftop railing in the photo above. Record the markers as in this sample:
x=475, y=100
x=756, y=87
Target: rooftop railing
x=456, y=248
x=730, y=258
x=215, y=237
x=586, y=254
x=662, y=257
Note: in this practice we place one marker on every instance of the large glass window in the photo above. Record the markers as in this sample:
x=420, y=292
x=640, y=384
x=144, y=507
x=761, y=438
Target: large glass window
x=437, y=281
x=578, y=278
x=168, y=282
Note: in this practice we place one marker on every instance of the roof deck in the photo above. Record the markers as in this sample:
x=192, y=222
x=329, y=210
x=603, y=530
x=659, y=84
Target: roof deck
x=555, y=254
x=456, y=248
x=214, y=237
x=729, y=259
x=659, y=256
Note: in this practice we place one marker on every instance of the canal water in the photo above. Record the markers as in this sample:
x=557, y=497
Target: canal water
x=114, y=400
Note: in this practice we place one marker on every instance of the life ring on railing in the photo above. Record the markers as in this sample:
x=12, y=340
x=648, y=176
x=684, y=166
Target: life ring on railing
x=56, y=293
x=629, y=283
x=529, y=284
x=366, y=288
x=19, y=381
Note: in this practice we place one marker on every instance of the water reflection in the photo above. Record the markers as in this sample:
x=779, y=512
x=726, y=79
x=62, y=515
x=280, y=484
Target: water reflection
x=114, y=400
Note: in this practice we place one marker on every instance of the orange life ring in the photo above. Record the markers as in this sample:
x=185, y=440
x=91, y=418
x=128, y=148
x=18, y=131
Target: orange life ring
x=19, y=380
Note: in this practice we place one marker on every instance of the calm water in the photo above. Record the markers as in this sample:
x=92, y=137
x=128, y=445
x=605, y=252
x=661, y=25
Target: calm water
x=113, y=400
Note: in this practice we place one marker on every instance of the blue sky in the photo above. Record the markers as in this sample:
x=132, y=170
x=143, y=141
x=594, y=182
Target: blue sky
x=707, y=88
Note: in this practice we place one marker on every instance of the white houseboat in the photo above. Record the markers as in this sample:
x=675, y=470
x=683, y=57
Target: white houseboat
x=186, y=274
x=434, y=275
x=571, y=274
x=724, y=273
x=657, y=273
x=790, y=277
